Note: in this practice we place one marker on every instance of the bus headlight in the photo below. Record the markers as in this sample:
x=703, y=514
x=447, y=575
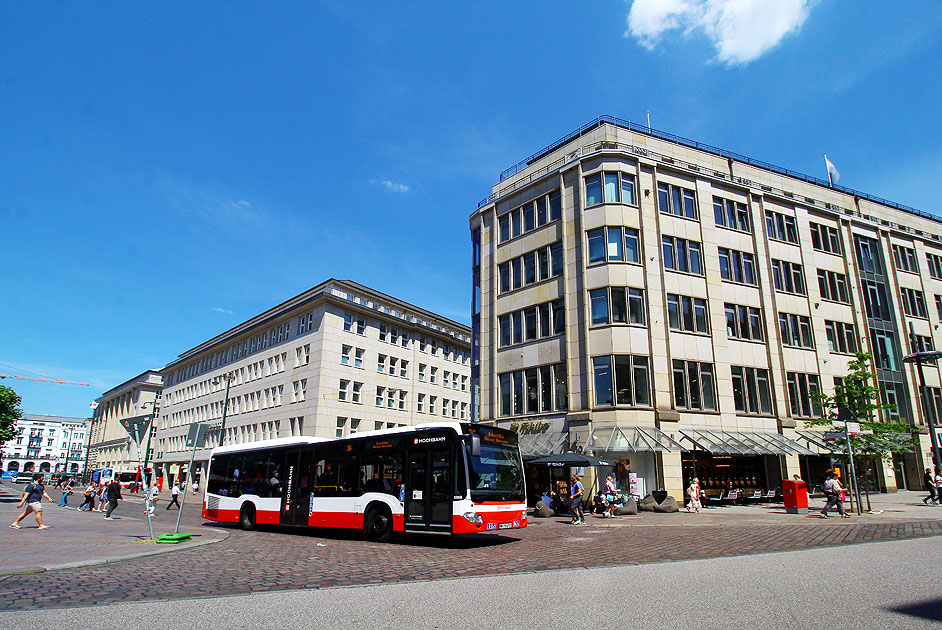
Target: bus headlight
x=473, y=517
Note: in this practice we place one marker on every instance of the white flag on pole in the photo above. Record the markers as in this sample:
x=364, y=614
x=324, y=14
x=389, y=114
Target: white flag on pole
x=833, y=175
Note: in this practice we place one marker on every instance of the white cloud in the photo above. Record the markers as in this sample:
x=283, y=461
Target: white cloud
x=390, y=185
x=741, y=31
x=220, y=310
x=209, y=202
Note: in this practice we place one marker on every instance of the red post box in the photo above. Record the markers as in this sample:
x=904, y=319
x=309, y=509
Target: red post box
x=795, y=494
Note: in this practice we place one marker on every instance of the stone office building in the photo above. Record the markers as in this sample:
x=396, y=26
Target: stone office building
x=673, y=306
x=335, y=360
x=110, y=446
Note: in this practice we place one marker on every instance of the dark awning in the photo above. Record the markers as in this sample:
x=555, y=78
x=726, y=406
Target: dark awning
x=572, y=459
x=633, y=439
x=743, y=443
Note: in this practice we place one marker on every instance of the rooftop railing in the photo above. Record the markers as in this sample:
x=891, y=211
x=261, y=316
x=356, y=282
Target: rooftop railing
x=693, y=144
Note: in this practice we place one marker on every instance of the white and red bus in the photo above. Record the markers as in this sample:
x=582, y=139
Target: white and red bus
x=435, y=478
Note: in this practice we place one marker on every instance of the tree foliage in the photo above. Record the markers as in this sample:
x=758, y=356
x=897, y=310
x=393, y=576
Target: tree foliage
x=859, y=393
x=10, y=412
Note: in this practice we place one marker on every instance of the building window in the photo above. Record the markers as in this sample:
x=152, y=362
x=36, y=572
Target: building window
x=737, y=266
x=345, y=354
x=420, y=403
x=433, y=378
x=682, y=255
x=914, y=303
x=532, y=267
x=357, y=388
x=744, y=322
x=875, y=299
x=613, y=244
x=609, y=187
x=534, y=390
x=842, y=338
x=905, y=259
x=341, y=427
x=731, y=214
x=694, y=385
x=676, y=200
x=826, y=238
x=531, y=215
x=868, y=255
x=752, y=391
x=380, y=395
x=344, y=392
x=795, y=330
x=884, y=350
x=358, y=358
x=381, y=364
x=622, y=379
x=920, y=343
x=938, y=305
x=935, y=265
x=535, y=322
x=833, y=286
x=687, y=314
x=617, y=305
x=801, y=388
x=788, y=277
x=422, y=367
x=781, y=227
x=402, y=399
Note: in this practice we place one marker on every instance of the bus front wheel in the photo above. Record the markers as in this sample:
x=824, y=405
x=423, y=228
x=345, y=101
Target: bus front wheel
x=247, y=517
x=378, y=524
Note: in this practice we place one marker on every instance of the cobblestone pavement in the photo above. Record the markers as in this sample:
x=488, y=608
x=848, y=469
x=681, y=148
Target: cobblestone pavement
x=277, y=559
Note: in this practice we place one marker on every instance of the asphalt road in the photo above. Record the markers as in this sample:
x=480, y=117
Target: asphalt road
x=876, y=585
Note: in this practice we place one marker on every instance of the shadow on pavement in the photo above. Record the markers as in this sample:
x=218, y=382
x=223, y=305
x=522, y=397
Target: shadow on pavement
x=468, y=541
x=930, y=609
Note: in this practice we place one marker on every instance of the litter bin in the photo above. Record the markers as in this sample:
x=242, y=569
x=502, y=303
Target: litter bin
x=795, y=494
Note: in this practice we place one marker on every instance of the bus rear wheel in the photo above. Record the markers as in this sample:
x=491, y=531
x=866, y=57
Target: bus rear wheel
x=377, y=525
x=247, y=517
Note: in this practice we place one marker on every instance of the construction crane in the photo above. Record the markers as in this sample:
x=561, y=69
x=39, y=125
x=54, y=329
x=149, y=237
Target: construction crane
x=44, y=380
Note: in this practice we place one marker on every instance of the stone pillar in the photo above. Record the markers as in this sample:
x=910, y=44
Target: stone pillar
x=671, y=473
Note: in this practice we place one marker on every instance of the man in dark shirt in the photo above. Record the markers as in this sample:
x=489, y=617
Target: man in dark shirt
x=113, y=493
x=929, y=482
x=32, y=496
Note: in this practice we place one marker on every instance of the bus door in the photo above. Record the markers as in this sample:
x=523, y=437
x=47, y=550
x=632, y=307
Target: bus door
x=296, y=487
x=428, y=492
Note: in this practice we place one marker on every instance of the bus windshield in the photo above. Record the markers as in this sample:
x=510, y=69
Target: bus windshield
x=496, y=475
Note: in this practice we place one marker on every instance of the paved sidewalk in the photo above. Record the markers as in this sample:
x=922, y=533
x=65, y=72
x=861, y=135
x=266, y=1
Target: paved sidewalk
x=76, y=539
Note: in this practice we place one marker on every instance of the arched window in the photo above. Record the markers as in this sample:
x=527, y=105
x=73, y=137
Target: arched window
x=29, y=467
x=13, y=467
x=44, y=467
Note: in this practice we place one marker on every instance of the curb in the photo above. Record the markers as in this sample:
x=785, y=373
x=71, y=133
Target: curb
x=133, y=556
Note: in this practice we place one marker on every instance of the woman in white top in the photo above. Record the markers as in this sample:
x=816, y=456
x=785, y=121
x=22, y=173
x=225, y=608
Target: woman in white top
x=694, y=493
x=832, y=490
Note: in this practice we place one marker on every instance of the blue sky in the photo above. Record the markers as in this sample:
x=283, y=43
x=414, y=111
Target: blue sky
x=168, y=170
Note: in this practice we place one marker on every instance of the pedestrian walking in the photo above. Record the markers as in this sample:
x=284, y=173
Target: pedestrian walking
x=66, y=493
x=88, y=505
x=610, y=491
x=113, y=494
x=832, y=491
x=938, y=485
x=575, y=501
x=928, y=482
x=154, y=495
x=694, y=493
x=32, y=496
x=102, y=496
x=196, y=486
x=174, y=495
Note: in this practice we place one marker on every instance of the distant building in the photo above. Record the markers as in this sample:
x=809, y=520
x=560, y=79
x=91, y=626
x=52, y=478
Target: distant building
x=110, y=445
x=47, y=444
x=675, y=307
x=337, y=359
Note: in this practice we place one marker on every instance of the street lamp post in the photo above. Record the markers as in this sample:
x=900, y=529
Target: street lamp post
x=919, y=358
x=229, y=376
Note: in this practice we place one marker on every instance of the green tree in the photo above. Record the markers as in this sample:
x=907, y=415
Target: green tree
x=859, y=393
x=10, y=412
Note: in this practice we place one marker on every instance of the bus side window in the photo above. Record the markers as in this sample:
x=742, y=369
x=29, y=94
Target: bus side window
x=325, y=478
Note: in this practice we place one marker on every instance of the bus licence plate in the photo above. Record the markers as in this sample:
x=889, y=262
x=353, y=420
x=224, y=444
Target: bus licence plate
x=504, y=525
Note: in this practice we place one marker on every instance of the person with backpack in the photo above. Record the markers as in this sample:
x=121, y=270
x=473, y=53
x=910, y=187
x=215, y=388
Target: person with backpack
x=832, y=491
x=33, y=496
x=66, y=492
x=89, y=504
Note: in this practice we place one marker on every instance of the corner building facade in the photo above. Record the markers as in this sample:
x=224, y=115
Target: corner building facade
x=674, y=306
x=337, y=359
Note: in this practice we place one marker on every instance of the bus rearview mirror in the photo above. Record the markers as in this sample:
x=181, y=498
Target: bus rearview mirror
x=475, y=446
